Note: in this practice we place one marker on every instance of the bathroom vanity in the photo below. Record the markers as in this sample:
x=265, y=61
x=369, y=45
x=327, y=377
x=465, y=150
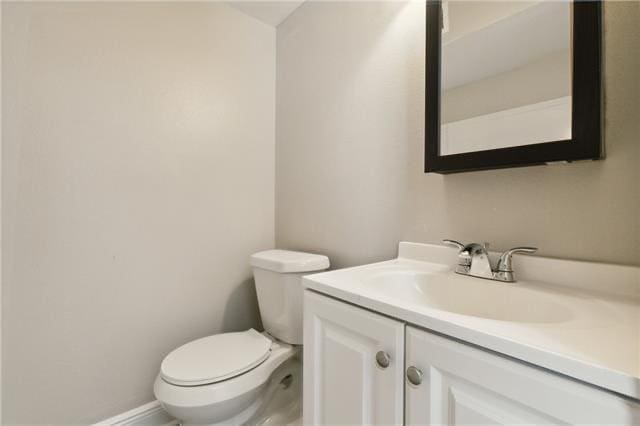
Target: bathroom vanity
x=408, y=341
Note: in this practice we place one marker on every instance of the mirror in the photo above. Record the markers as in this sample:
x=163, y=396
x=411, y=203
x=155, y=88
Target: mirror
x=519, y=90
x=510, y=76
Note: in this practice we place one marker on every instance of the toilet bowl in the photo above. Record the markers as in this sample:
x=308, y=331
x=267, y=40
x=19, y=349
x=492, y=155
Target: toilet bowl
x=246, y=377
x=234, y=396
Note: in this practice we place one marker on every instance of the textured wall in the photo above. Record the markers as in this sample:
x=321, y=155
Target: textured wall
x=138, y=177
x=350, y=144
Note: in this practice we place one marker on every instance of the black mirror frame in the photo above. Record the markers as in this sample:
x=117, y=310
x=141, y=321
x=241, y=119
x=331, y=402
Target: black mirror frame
x=586, y=126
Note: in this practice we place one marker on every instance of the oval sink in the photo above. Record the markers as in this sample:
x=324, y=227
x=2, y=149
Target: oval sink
x=470, y=296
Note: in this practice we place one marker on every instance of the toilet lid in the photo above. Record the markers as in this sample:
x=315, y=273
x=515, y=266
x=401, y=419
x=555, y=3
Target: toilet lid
x=215, y=358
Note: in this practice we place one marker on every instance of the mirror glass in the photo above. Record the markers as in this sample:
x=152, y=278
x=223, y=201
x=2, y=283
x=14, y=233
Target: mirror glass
x=506, y=74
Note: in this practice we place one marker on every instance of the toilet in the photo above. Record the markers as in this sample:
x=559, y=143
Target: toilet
x=246, y=377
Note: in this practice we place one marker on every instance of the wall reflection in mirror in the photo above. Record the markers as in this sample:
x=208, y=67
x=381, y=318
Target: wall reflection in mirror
x=506, y=74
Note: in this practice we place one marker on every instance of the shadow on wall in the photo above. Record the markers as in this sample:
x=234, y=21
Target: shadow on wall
x=241, y=311
x=348, y=199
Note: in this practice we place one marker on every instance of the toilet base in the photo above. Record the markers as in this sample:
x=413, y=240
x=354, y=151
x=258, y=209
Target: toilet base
x=280, y=401
x=283, y=405
x=277, y=402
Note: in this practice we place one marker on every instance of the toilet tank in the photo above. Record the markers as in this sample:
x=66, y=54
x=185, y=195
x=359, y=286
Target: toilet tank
x=278, y=276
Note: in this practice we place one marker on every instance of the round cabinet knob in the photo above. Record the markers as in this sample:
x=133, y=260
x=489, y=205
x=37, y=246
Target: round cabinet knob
x=383, y=359
x=414, y=376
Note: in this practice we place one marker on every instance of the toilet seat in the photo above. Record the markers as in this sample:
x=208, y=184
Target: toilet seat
x=215, y=358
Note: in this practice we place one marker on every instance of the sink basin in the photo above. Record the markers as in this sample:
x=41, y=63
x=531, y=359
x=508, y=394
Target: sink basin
x=469, y=296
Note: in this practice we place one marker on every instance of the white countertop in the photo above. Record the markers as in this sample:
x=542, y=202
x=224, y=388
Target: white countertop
x=596, y=339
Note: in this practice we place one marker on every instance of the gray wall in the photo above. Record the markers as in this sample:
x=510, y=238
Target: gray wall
x=349, y=149
x=138, y=177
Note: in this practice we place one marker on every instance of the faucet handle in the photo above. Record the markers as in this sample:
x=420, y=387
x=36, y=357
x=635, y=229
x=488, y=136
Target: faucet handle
x=454, y=243
x=505, y=264
x=464, y=258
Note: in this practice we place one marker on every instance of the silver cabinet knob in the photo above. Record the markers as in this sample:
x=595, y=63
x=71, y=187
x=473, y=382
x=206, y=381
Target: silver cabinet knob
x=383, y=359
x=414, y=376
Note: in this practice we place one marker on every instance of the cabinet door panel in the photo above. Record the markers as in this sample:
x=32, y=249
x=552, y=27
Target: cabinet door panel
x=465, y=385
x=342, y=382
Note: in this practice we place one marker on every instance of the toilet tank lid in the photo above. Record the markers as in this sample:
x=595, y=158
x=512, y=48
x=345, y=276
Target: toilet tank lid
x=286, y=261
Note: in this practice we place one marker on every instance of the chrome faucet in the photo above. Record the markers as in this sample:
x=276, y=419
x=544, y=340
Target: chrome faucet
x=473, y=259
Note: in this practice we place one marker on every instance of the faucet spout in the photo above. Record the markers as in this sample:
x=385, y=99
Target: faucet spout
x=473, y=259
x=480, y=264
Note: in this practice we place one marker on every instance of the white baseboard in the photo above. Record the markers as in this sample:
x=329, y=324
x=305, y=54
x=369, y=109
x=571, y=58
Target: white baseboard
x=148, y=414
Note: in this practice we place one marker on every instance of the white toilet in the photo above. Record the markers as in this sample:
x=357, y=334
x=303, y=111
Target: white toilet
x=246, y=377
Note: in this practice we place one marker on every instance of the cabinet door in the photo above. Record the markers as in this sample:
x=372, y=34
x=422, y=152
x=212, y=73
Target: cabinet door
x=465, y=385
x=343, y=382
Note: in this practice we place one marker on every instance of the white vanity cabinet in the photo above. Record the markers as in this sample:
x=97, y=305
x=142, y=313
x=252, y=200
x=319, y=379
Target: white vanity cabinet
x=343, y=381
x=465, y=385
x=431, y=379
